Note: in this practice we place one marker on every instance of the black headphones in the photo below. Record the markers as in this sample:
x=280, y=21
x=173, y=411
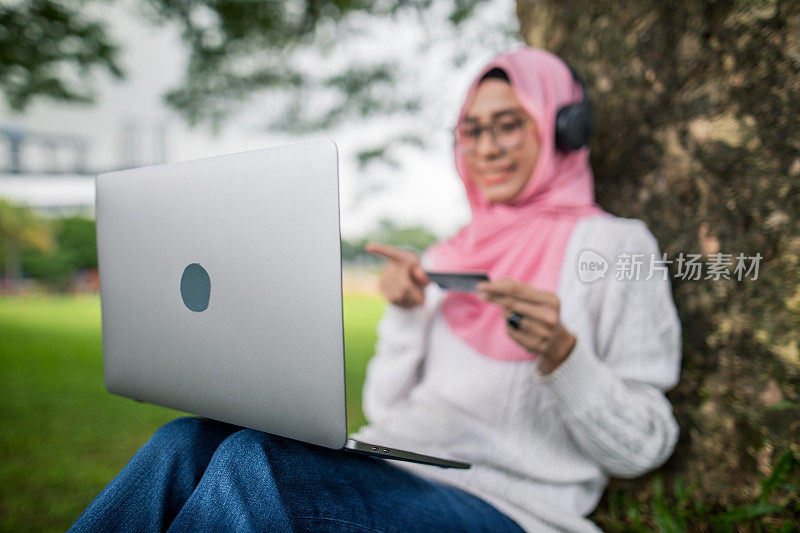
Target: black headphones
x=574, y=121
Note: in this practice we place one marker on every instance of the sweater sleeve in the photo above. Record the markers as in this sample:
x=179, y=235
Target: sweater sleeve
x=610, y=389
x=395, y=368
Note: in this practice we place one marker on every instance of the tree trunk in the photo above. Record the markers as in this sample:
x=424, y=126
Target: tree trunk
x=696, y=109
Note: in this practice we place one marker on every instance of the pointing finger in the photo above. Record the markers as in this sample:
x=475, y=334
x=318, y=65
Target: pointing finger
x=390, y=252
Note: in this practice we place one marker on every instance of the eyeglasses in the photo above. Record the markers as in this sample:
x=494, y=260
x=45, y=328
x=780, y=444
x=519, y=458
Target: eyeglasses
x=507, y=132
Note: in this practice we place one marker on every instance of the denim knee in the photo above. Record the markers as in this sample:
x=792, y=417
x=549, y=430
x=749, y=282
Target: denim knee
x=245, y=442
x=179, y=429
x=185, y=431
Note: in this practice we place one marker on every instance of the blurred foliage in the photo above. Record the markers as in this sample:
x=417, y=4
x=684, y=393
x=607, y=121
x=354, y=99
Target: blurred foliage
x=239, y=49
x=415, y=238
x=49, y=250
x=77, y=237
x=696, y=107
x=20, y=229
x=48, y=49
x=352, y=249
x=76, y=249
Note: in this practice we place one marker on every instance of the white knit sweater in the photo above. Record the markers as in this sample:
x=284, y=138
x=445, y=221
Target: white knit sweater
x=541, y=447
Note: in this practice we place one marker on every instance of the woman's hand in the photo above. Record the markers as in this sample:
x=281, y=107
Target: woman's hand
x=540, y=330
x=402, y=281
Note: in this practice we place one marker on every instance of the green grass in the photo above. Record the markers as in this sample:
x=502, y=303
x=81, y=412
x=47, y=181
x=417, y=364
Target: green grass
x=62, y=436
x=361, y=314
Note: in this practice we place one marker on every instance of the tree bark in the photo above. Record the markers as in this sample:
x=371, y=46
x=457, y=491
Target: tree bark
x=696, y=109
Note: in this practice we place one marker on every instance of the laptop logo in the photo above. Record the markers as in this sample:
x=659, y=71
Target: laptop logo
x=195, y=287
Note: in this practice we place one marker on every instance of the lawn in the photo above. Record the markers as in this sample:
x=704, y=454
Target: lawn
x=62, y=436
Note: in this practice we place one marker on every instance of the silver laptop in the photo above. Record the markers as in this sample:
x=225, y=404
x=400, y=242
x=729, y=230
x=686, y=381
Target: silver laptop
x=221, y=292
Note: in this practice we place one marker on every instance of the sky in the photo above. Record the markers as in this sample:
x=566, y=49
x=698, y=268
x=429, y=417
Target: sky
x=424, y=190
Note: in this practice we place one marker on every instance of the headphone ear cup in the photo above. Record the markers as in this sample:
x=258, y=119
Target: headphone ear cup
x=573, y=126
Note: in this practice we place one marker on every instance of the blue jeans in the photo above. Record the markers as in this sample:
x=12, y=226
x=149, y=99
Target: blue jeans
x=196, y=474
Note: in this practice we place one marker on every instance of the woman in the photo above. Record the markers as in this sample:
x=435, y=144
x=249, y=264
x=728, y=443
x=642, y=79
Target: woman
x=546, y=382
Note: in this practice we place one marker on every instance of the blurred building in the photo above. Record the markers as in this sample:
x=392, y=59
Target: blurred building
x=51, y=195
x=50, y=172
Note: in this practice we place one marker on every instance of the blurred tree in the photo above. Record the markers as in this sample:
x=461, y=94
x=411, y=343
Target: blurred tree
x=49, y=49
x=415, y=237
x=239, y=49
x=76, y=249
x=20, y=229
x=76, y=237
x=412, y=237
x=53, y=268
x=352, y=249
x=696, y=106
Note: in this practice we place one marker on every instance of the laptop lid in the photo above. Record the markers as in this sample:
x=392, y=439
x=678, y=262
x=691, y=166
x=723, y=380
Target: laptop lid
x=220, y=284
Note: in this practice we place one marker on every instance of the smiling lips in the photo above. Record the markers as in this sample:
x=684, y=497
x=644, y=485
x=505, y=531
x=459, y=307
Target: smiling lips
x=490, y=177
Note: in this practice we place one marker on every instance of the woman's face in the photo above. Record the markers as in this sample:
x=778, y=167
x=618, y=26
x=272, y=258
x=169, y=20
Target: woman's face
x=500, y=169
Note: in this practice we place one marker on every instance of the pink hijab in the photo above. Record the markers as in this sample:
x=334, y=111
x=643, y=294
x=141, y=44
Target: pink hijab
x=527, y=237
